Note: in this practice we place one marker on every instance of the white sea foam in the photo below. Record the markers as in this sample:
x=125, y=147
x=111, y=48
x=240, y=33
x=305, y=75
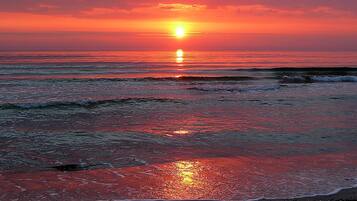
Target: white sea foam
x=318, y=78
x=334, y=78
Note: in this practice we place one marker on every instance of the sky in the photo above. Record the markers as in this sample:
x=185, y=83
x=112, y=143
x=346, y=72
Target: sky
x=151, y=24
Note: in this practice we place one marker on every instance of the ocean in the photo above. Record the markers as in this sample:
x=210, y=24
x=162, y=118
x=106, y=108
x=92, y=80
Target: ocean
x=179, y=124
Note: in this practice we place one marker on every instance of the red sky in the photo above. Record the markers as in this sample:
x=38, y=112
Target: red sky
x=149, y=24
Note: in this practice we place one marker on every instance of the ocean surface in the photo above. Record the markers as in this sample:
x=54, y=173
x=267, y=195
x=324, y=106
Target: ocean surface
x=176, y=125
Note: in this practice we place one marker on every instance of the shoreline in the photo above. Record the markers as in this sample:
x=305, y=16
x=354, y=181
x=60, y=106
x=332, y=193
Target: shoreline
x=343, y=194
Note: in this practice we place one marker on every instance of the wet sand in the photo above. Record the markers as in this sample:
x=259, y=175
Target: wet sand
x=218, y=178
x=345, y=194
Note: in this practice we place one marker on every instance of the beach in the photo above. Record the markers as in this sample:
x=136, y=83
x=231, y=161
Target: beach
x=345, y=194
x=178, y=125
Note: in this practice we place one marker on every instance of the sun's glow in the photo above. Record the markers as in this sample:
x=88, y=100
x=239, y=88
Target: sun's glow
x=180, y=32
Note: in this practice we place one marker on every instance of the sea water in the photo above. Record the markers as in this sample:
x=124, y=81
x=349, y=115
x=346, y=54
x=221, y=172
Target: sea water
x=176, y=124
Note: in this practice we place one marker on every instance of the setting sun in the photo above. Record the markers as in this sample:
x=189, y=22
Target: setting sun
x=178, y=99
x=180, y=32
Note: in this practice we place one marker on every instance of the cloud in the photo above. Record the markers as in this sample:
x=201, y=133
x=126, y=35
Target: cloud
x=264, y=10
x=181, y=7
x=75, y=7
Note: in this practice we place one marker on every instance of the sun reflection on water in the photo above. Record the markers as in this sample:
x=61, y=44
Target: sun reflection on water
x=180, y=56
x=181, y=132
x=179, y=53
x=185, y=181
x=185, y=172
x=179, y=60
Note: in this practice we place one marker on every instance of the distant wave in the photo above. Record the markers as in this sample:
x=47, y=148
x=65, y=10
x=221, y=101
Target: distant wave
x=312, y=79
x=241, y=90
x=334, y=79
x=283, y=78
x=337, y=68
x=201, y=78
x=88, y=104
x=173, y=79
x=304, y=69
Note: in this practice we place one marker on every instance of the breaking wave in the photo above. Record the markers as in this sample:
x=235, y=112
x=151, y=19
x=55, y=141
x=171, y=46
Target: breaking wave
x=88, y=104
x=312, y=79
x=239, y=90
x=334, y=79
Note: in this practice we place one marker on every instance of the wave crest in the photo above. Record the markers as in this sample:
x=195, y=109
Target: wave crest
x=312, y=79
x=88, y=104
x=239, y=90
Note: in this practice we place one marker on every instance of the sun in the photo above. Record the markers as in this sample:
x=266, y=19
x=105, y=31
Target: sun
x=180, y=32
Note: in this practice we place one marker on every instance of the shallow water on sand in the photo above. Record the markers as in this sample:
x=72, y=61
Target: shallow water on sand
x=161, y=125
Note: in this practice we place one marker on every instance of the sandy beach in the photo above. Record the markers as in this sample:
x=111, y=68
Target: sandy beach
x=345, y=194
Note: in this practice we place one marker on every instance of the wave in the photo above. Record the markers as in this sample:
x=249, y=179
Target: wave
x=320, y=69
x=240, y=90
x=149, y=79
x=334, y=79
x=312, y=79
x=88, y=104
x=201, y=78
x=180, y=78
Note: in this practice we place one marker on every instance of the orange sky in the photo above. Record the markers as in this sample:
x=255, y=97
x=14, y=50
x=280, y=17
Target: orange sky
x=150, y=24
